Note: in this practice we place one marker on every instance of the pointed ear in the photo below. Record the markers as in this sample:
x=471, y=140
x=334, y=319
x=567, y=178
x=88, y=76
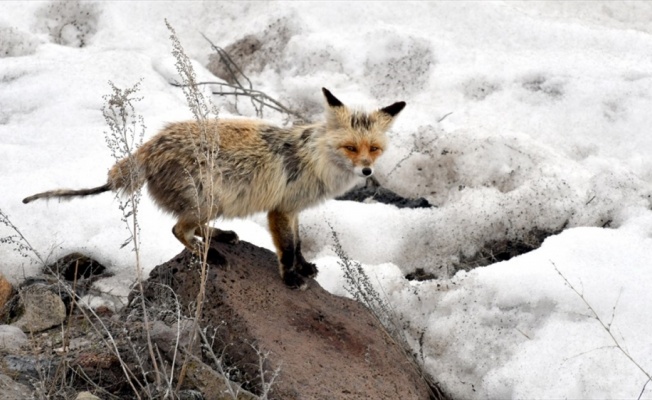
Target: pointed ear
x=394, y=109
x=330, y=99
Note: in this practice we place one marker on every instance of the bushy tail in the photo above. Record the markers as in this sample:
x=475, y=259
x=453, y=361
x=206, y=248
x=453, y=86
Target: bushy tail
x=66, y=193
x=125, y=176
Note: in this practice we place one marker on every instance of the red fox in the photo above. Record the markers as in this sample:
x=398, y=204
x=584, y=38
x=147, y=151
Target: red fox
x=256, y=167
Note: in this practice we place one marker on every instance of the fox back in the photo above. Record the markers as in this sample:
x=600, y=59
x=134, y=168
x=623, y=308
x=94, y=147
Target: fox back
x=253, y=166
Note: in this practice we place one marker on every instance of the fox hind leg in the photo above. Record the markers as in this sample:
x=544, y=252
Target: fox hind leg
x=209, y=233
x=185, y=232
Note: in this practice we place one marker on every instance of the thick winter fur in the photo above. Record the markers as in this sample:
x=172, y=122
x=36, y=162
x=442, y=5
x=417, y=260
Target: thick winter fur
x=234, y=168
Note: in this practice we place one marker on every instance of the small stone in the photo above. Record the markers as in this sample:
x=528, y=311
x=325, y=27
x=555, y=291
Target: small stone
x=74, y=344
x=207, y=380
x=86, y=396
x=169, y=339
x=41, y=309
x=11, y=338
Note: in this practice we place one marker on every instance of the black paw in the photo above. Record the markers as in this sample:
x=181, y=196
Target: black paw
x=306, y=269
x=215, y=257
x=294, y=281
x=229, y=237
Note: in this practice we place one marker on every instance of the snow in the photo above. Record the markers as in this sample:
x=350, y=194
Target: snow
x=520, y=116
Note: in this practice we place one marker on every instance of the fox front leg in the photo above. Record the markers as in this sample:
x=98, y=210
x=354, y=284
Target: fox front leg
x=303, y=267
x=282, y=227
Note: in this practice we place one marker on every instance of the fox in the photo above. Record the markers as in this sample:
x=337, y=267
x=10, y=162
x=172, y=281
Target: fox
x=233, y=168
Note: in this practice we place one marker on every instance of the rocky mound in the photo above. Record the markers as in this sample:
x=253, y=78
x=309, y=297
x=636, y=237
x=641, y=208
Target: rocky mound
x=319, y=345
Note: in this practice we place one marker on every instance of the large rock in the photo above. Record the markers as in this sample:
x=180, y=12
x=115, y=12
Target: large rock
x=325, y=347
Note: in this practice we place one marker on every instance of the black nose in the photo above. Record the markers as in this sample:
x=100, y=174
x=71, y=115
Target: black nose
x=366, y=171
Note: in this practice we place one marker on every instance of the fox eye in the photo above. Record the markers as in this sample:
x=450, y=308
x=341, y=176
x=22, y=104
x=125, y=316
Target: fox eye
x=374, y=149
x=352, y=149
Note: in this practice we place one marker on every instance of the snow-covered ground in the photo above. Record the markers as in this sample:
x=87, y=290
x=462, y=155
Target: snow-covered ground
x=520, y=116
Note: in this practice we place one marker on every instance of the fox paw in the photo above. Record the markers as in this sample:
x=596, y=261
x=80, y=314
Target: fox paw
x=229, y=237
x=306, y=269
x=294, y=280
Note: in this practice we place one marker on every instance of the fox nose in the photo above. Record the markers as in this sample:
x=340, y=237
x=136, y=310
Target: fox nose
x=366, y=171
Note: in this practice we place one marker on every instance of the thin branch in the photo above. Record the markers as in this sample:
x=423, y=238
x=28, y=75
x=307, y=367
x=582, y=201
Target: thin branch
x=643, y=390
x=606, y=327
x=259, y=97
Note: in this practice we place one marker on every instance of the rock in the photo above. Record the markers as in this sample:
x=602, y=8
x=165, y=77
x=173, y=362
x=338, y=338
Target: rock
x=12, y=390
x=171, y=338
x=73, y=345
x=101, y=366
x=321, y=345
x=190, y=395
x=213, y=384
x=11, y=338
x=40, y=309
x=86, y=396
x=75, y=266
x=252, y=53
x=373, y=192
x=27, y=369
x=6, y=293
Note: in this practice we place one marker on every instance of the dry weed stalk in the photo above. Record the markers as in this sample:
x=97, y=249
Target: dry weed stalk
x=607, y=327
x=359, y=286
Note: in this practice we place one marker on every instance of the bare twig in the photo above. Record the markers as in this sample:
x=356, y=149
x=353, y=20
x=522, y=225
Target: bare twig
x=607, y=327
x=18, y=240
x=643, y=390
x=444, y=117
x=259, y=99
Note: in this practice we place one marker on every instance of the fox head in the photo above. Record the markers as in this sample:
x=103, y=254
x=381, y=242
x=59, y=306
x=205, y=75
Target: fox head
x=358, y=138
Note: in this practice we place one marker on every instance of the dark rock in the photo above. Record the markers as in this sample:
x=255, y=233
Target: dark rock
x=101, y=366
x=323, y=346
x=372, y=191
x=420, y=274
x=75, y=267
x=27, y=369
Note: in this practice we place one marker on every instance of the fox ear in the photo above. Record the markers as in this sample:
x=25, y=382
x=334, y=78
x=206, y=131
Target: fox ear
x=330, y=99
x=394, y=109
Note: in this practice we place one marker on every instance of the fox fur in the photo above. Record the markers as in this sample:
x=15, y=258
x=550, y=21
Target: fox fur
x=237, y=167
